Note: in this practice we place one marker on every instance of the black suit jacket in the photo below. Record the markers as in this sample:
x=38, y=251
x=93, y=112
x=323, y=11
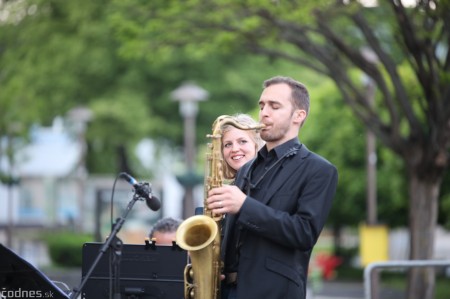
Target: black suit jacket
x=279, y=230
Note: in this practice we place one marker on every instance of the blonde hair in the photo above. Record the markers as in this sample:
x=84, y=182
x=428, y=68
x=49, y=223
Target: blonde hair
x=246, y=120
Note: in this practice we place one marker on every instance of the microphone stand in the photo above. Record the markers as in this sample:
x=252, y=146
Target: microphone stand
x=111, y=242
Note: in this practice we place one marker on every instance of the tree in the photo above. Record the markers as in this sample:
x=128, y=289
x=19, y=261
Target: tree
x=334, y=132
x=57, y=55
x=406, y=56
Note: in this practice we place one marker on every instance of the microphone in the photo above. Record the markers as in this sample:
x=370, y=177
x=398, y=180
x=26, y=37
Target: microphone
x=144, y=191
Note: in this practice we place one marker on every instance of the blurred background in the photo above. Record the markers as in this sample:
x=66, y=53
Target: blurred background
x=90, y=89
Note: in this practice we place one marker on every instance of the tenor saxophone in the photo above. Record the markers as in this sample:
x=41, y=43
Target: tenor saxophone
x=200, y=235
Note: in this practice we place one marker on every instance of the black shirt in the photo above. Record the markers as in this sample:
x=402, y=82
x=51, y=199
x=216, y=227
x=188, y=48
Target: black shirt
x=267, y=165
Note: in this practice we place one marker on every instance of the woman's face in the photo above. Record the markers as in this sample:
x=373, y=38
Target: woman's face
x=237, y=147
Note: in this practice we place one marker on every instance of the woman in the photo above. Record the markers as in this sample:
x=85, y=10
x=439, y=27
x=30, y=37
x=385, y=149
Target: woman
x=239, y=146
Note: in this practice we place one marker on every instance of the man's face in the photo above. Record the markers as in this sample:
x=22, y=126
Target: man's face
x=164, y=238
x=276, y=113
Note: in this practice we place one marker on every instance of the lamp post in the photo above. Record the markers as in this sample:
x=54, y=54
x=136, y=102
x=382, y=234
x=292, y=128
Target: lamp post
x=79, y=118
x=188, y=95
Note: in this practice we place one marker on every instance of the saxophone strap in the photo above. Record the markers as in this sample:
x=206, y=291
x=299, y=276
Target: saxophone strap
x=247, y=178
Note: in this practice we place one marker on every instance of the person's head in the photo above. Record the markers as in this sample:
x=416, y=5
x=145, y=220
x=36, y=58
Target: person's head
x=284, y=106
x=164, y=231
x=239, y=146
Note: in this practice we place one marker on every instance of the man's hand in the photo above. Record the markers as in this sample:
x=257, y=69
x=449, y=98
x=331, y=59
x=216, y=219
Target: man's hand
x=225, y=199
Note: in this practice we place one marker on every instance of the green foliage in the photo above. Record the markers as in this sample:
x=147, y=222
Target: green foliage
x=392, y=189
x=122, y=58
x=65, y=247
x=349, y=273
x=46, y=76
x=159, y=29
x=332, y=131
x=61, y=56
x=118, y=114
x=444, y=203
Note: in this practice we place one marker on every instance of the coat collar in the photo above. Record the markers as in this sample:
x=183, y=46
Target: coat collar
x=284, y=152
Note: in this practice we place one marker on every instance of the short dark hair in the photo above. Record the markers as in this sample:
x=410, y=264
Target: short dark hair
x=165, y=225
x=299, y=95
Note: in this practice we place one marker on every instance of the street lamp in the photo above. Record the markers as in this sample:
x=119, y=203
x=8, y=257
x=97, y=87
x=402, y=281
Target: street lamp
x=189, y=95
x=79, y=117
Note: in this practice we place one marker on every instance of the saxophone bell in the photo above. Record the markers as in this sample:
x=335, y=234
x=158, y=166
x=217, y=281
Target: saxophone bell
x=196, y=234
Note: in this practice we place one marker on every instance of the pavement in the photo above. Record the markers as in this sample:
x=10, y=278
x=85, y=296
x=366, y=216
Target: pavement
x=350, y=290
x=335, y=289
x=67, y=279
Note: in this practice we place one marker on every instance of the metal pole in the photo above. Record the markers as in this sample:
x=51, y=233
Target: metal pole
x=371, y=168
x=371, y=156
x=189, y=145
x=189, y=95
x=368, y=271
x=10, y=224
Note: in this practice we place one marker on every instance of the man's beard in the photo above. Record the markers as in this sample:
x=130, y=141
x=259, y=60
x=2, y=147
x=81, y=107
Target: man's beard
x=276, y=133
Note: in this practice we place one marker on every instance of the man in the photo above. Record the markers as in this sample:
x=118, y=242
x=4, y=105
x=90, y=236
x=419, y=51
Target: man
x=164, y=231
x=279, y=204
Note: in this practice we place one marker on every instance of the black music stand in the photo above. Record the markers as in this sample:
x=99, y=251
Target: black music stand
x=20, y=279
x=146, y=272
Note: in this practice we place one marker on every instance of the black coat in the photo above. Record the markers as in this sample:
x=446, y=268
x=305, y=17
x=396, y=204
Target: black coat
x=279, y=230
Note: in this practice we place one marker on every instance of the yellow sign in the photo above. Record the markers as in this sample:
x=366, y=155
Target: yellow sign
x=373, y=243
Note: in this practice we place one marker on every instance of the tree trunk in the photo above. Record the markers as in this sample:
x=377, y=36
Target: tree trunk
x=422, y=225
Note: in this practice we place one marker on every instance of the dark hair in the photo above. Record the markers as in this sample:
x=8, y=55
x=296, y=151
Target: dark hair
x=165, y=225
x=299, y=95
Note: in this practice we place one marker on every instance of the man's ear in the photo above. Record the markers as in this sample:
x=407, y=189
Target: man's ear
x=299, y=116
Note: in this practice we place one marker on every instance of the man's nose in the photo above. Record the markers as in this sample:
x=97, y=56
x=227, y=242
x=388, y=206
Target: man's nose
x=263, y=112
